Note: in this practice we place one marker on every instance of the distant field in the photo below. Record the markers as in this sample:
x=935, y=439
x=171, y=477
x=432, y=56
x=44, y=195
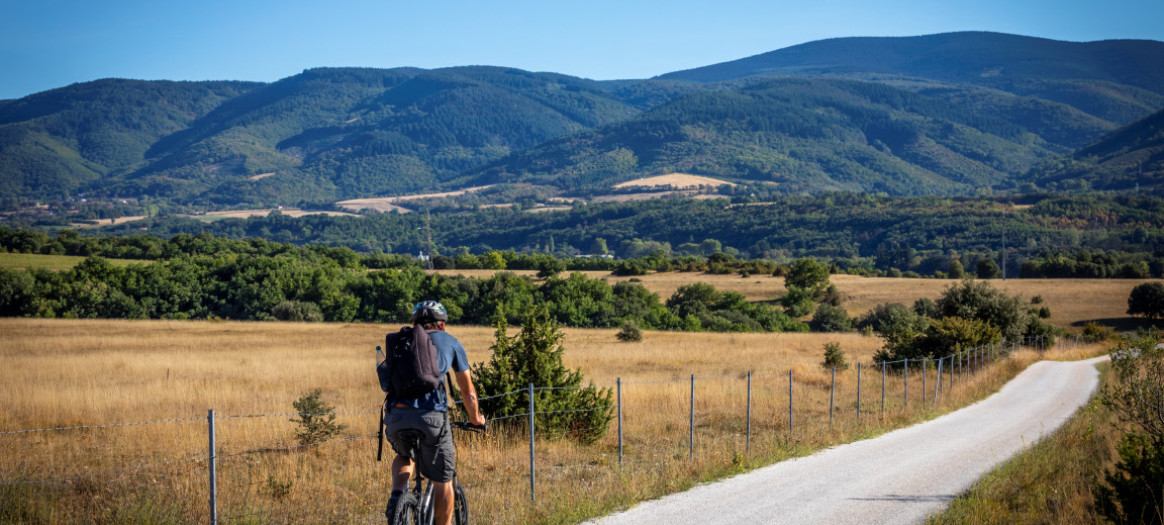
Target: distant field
x=680, y=181
x=386, y=204
x=50, y=262
x=243, y=214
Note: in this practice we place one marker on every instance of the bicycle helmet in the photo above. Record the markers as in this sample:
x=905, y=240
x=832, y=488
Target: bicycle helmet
x=429, y=312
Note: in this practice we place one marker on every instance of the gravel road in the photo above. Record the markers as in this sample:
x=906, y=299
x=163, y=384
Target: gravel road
x=900, y=477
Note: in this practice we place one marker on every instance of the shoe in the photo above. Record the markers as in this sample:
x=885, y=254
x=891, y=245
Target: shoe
x=388, y=512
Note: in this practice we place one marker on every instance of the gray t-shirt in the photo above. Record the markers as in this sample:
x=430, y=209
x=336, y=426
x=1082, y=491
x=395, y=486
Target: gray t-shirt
x=450, y=356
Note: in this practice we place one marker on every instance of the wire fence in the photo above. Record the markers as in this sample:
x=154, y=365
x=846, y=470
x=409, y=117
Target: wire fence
x=739, y=408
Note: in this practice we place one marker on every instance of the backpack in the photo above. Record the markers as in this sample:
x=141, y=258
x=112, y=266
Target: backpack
x=410, y=369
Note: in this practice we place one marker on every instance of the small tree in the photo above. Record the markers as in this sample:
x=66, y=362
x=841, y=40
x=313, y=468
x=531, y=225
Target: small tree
x=1147, y=300
x=316, y=419
x=988, y=269
x=564, y=408
x=834, y=357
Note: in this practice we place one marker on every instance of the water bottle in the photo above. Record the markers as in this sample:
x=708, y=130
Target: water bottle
x=380, y=357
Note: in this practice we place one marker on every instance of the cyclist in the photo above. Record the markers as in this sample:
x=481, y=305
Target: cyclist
x=429, y=414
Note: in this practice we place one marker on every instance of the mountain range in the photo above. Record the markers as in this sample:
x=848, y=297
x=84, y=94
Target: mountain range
x=956, y=113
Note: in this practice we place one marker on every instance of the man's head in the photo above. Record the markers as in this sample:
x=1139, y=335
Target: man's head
x=430, y=314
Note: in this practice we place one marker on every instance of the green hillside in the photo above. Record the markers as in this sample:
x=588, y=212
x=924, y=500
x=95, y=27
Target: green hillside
x=1129, y=158
x=816, y=135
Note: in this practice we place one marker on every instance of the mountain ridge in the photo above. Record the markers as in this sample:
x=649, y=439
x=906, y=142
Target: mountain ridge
x=948, y=113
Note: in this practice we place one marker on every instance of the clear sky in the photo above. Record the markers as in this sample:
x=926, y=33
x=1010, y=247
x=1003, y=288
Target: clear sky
x=46, y=44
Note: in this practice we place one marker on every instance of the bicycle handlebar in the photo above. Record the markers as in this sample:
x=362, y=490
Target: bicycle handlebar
x=469, y=427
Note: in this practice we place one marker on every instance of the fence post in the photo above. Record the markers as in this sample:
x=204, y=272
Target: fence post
x=213, y=473
x=858, y=392
x=938, y=378
x=532, y=471
x=906, y=389
x=691, y=424
x=748, y=438
x=925, y=373
x=882, y=389
x=789, y=404
x=618, y=383
x=832, y=394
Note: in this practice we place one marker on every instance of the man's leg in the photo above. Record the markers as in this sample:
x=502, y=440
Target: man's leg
x=442, y=503
x=401, y=472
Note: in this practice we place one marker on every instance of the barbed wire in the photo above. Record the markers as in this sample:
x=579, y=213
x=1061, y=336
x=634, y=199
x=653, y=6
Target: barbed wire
x=108, y=425
x=104, y=472
x=292, y=414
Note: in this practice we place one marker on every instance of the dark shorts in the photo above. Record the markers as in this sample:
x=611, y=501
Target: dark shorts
x=438, y=457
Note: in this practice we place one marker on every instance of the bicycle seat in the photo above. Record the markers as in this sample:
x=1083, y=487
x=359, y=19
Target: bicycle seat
x=410, y=435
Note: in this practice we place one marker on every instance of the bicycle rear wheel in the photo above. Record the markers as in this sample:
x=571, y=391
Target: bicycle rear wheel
x=460, y=505
x=407, y=511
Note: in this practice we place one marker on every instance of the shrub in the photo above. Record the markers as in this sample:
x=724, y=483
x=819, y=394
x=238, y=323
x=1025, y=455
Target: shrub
x=829, y=318
x=564, y=408
x=834, y=357
x=629, y=333
x=1132, y=491
x=315, y=418
x=1094, y=332
x=297, y=311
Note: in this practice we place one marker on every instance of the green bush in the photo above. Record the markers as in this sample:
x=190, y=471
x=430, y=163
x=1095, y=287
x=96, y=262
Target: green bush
x=315, y=418
x=834, y=357
x=297, y=311
x=629, y=333
x=564, y=407
x=829, y=318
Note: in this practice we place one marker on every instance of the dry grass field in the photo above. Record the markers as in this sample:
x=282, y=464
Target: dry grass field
x=70, y=373
x=679, y=181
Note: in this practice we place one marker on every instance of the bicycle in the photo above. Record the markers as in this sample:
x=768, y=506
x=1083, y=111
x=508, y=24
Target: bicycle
x=415, y=506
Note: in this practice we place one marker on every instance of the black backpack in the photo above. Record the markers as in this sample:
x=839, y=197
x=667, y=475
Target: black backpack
x=410, y=369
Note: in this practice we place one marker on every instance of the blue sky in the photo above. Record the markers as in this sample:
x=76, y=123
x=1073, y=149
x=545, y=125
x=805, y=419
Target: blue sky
x=46, y=44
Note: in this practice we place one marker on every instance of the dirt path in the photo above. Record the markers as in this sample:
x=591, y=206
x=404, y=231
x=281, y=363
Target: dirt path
x=900, y=477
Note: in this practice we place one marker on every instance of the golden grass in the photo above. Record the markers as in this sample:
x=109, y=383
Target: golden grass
x=28, y=261
x=72, y=373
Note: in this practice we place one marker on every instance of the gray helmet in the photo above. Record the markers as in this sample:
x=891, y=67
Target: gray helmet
x=429, y=312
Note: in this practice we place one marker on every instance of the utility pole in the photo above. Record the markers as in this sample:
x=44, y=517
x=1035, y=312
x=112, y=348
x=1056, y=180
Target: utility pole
x=1004, y=253
x=428, y=238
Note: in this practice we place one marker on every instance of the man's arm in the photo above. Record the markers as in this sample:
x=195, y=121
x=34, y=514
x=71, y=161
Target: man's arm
x=469, y=396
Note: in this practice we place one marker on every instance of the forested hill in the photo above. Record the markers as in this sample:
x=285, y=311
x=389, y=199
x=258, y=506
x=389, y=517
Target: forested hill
x=818, y=134
x=1106, y=78
x=946, y=114
x=1131, y=157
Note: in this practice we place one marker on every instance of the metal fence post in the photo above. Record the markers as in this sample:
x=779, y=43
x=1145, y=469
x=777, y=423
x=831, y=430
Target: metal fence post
x=832, y=394
x=618, y=382
x=883, y=389
x=858, y=392
x=938, y=378
x=213, y=473
x=790, y=404
x=925, y=373
x=532, y=471
x=906, y=389
x=748, y=439
x=691, y=423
